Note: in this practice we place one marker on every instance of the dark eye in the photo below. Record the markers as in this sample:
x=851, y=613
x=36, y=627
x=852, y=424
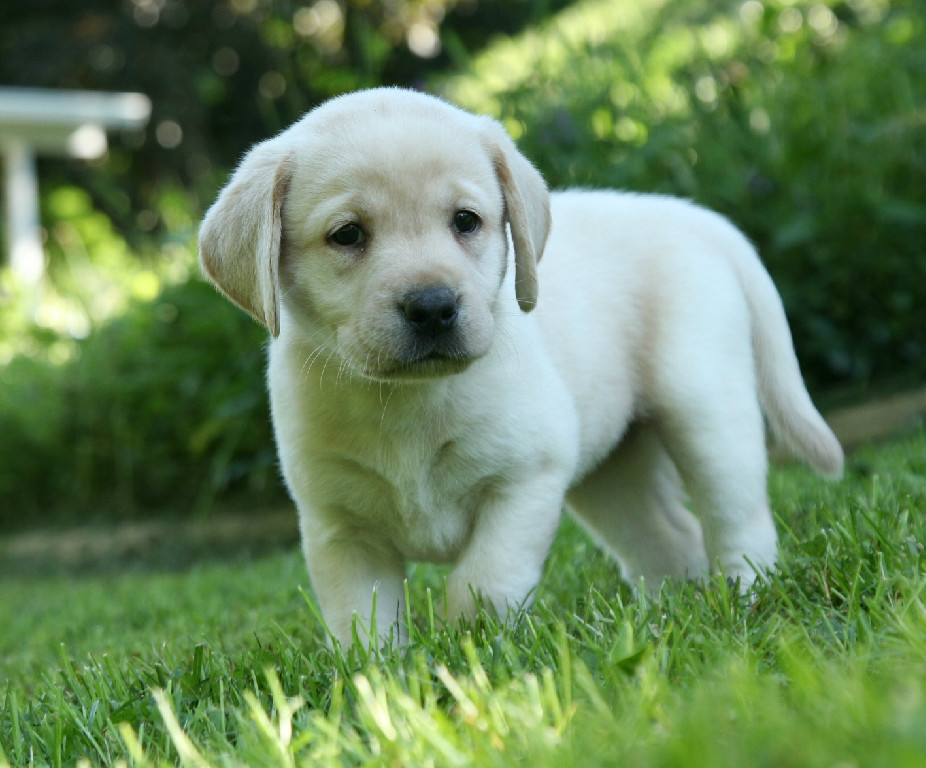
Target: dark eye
x=348, y=235
x=465, y=222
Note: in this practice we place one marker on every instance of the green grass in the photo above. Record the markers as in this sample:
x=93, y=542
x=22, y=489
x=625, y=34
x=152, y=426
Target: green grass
x=225, y=664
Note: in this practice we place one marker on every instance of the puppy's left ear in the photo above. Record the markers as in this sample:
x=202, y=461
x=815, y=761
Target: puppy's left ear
x=527, y=203
x=239, y=240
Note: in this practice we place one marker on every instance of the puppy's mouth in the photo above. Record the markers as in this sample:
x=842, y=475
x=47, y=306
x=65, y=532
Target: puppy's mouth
x=433, y=364
x=414, y=358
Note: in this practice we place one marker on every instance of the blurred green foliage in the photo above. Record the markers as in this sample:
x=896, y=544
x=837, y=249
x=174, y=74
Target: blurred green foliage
x=129, y=385
x=161, y=408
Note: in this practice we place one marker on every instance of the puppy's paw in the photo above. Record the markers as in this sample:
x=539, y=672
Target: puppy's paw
x=462, y=602
x=742, y=573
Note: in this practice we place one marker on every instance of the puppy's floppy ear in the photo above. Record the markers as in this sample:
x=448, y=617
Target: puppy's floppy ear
x=527, y=203
x=239, y=240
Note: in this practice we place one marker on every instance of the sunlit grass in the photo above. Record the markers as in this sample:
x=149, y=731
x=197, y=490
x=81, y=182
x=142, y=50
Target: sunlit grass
x=227, y=664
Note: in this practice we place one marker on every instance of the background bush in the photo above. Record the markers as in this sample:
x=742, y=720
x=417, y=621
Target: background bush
x=803, y=121
x=162, y=408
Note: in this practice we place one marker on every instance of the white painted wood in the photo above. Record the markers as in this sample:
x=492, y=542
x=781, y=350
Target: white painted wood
x=60, y=123
x=22, y=211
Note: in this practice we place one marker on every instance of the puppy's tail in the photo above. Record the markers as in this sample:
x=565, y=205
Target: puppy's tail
x=794, y=421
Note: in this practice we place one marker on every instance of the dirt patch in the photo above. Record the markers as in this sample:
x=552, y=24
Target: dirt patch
x=148, y=545
x=878, y=420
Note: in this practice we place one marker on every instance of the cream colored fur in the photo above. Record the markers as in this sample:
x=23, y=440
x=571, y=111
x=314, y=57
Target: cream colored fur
x=633, y=394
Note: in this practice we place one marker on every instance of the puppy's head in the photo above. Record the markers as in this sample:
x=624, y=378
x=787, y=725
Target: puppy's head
x=378, y=222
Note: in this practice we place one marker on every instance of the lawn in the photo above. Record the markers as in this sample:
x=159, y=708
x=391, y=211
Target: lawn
x=225, y=663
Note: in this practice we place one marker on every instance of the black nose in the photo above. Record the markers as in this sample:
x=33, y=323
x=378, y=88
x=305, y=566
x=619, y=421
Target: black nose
x=431, y=311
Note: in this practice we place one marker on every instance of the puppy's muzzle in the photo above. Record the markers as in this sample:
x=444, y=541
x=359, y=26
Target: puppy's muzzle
x=434, y=339
x=431, y=312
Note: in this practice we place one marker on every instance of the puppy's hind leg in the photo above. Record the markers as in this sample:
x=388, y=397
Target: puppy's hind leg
x=633, y=505
x=716, y=439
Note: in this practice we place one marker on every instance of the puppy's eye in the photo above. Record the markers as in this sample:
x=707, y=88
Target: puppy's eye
x=465, y=222
x=348, y=235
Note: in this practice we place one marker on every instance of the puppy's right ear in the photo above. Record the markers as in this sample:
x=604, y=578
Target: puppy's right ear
x=239, y=240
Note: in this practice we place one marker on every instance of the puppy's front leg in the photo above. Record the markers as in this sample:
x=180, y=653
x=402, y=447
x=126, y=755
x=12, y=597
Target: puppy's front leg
x=511, y=537
x=350, y=576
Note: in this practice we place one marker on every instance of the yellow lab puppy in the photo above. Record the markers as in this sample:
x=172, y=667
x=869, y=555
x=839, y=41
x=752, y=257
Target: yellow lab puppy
x=424, y=409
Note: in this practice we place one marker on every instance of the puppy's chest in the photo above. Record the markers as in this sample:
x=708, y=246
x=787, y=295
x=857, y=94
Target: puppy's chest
x=420, y=494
